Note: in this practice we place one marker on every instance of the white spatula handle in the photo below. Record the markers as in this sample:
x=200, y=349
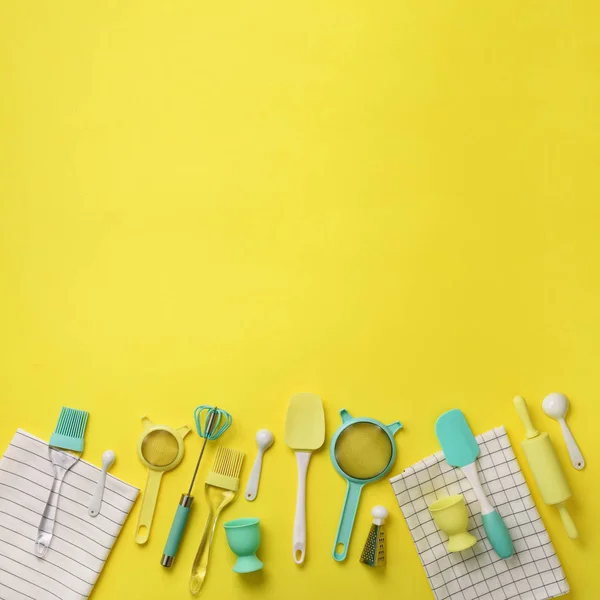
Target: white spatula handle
x=299, y=542
x=472, y=476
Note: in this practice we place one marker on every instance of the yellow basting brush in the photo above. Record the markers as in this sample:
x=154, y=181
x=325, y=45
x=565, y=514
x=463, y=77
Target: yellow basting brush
x=220, y=489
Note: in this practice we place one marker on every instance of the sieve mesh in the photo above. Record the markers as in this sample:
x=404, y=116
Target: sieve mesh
x=160, y=448
x=363, y=450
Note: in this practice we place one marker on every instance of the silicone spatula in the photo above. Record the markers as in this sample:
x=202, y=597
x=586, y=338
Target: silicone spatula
x=304, y=432
x=461, y=450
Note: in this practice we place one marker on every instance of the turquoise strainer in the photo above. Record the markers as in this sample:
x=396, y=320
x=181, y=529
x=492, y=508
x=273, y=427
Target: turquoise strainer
x=362, y=451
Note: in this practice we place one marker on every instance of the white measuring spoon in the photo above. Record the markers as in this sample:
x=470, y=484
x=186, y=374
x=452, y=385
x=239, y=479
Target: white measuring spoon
x=108, y=459
x=556, y=406
x=264, y=440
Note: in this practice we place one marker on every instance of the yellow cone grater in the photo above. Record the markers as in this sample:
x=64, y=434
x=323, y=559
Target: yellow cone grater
x=373, y=553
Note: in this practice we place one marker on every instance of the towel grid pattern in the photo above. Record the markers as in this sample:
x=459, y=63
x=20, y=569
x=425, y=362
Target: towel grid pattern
x=534, y=572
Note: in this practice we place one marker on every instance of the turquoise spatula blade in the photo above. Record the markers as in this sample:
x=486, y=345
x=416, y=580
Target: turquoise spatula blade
x=456, y=438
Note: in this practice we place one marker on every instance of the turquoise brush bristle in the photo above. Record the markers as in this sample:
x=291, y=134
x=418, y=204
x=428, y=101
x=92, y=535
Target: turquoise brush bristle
x=70, y=429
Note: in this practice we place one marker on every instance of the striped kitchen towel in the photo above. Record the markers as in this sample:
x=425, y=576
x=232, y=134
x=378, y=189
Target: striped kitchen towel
x=80, y=545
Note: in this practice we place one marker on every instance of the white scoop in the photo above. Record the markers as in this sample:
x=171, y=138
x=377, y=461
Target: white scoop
x=108, y=459
x=264, y=440
x=556, y=406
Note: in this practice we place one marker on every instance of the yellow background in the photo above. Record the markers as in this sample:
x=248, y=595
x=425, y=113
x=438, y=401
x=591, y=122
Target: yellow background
x=392, y=204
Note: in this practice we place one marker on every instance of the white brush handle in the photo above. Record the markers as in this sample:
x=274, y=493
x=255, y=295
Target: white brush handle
x=472, y=476
x=572, y=447
x=299, y=542
x=96, y=503
x=253, y=481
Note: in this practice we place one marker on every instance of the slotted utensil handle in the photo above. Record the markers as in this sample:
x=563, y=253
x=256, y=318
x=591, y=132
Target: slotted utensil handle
x=96, y=503
x=299, y=540
x=574, y=452
x=142, y=529
x=254, y=479
x=344, y=532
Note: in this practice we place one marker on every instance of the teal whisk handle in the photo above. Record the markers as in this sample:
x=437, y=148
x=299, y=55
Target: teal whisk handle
x=177, y=529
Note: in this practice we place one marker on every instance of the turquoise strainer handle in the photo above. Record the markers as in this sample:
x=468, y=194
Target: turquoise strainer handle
x=342, y=539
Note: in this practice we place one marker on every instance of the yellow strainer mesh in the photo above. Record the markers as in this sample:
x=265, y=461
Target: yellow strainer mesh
x=363, y=450
x=160, y=448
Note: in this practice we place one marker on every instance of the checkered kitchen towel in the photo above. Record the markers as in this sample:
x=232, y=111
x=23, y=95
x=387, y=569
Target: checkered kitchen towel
x=534, y=572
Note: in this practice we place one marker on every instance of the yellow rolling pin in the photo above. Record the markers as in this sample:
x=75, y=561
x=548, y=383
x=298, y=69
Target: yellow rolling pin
x=546, y=469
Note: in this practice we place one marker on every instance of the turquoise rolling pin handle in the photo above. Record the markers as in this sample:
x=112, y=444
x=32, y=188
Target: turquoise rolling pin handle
x=177, y=529
x=342, y=540
x=498, y=534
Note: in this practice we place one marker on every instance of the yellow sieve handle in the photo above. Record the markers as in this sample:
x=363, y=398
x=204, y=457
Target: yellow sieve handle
x=142, y=530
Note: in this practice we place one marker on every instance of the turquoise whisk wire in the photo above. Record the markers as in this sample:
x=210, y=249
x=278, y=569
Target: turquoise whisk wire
x=208, y=430
x=216, y=423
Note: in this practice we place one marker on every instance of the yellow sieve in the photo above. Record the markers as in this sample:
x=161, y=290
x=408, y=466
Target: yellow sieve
x=363, y=451
x=160, y=449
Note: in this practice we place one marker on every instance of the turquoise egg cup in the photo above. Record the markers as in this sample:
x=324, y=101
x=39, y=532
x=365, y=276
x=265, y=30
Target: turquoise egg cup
x=243, y=537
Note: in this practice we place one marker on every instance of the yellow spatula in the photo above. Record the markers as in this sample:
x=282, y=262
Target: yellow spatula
x=304, y=432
